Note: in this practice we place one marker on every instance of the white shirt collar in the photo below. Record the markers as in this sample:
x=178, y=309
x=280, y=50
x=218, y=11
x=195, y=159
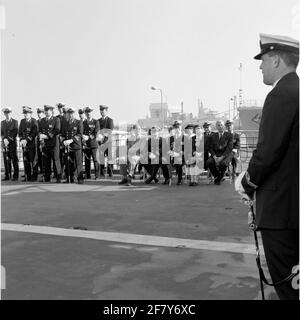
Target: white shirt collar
x=275, y=83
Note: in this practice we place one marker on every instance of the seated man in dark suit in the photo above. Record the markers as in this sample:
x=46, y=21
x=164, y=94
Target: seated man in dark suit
x=236, y=144
x=221, y=152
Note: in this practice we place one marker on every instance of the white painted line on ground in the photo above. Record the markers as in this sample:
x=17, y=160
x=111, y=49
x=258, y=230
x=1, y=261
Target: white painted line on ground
x=134, y=238
x=71, y=188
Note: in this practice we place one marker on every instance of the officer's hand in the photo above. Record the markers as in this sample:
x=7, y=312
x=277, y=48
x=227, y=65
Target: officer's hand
x=100, y=137
x=239, y=187
x=68, y=142
x=6, y=142
x=43, y=136
x=152, y=155
x=234, y=151
x=23, y=143
x=85, y=137
x=135, y=158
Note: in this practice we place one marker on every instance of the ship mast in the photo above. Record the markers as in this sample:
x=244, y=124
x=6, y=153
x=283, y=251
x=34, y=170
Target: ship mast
x=240, y=89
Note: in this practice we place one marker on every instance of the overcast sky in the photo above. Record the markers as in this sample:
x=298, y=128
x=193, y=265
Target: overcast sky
x=110, y=52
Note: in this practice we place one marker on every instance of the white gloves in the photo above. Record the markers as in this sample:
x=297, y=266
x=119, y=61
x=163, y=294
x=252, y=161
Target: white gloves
x=43, y=136
x=239, y=187
x=174, y=154
x=23, y=143
x=85, y=137
x=6, y=142
x=68, y=142
x=135, y=158
x=234, y=150
x=100, y=137
x=152, y=155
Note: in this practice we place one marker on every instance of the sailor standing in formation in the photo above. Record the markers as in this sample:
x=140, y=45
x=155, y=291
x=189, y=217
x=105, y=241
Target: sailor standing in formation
x=71, y=133
x=9, y=132
x=49, y=129
x=28, y=131
x=104, y=139
x=89, y=143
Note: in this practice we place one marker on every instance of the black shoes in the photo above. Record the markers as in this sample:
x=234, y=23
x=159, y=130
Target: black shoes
x=69, y=180
x=149, y=180
x=217, y=181
x=129, y=184
x=5, y=179
x=123, y=181
x=179, y=182
x=167, y=181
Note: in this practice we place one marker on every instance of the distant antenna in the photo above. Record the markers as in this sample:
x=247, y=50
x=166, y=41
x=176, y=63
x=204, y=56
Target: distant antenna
x=240, y=90
x=235, y=108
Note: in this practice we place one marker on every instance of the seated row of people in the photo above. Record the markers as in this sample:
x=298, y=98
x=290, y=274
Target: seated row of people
x=190, y=149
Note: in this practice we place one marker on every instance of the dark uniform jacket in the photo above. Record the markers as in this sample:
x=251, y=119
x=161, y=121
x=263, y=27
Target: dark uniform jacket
x=221, y=147
x=106, y=125
x=189, y=147
x=274, y=166
x=236, y=141
x=28, y=130
x=51, y=129
x=61, y=118
x=177, y=145
x=73, y=130
x=90, y=128
x=207, y=141
x=155, y=146
x=9, y=130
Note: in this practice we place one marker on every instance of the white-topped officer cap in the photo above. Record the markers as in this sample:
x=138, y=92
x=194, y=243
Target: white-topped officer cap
x=270, y=42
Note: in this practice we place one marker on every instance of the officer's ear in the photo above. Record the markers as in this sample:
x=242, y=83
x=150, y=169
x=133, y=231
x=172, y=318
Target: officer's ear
x=275, y=58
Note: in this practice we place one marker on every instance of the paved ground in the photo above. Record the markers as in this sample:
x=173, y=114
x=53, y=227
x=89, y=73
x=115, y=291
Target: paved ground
x=104, y=241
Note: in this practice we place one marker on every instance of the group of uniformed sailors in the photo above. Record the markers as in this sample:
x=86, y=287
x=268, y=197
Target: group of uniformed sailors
x=57, y=144
x=53, y=144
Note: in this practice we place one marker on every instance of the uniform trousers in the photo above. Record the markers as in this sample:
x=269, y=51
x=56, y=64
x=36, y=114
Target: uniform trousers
x=155, y=168
x=29, y=157
x=282, y=255
x=49, y=154
x=8, y=158
x=73, y=164
x=90, y=154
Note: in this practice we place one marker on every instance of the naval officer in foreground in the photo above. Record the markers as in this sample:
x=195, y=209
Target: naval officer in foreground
x=273, y=172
